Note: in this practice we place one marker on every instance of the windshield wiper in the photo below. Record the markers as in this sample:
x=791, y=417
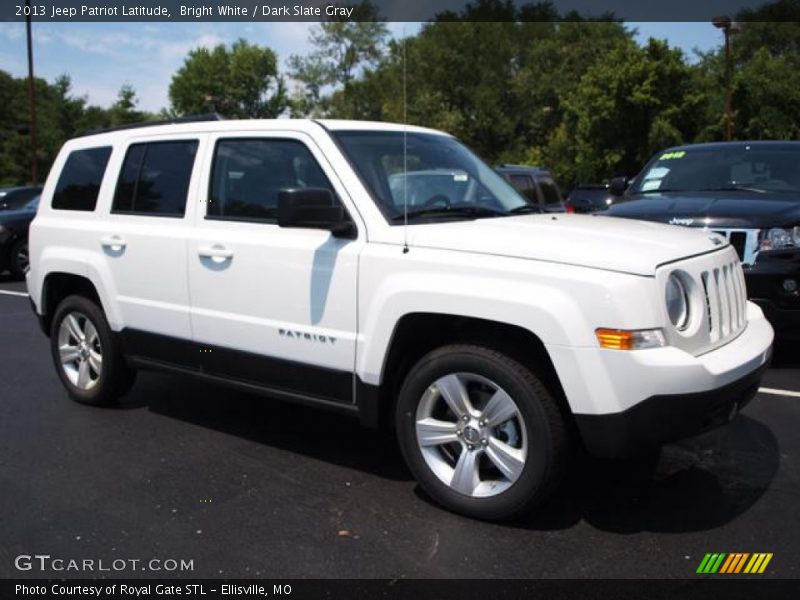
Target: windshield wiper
x=526, y=209
x=734, y=188
x=449, y=211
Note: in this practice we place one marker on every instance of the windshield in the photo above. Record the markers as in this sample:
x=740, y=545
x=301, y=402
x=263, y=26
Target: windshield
x=745, y=167
x=443, y=178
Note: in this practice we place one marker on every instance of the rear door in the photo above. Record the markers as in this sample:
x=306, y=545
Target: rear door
x=144, y=243
x=272, y=306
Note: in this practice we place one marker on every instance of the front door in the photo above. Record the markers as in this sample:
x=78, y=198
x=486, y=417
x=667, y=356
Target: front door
x=272, y=306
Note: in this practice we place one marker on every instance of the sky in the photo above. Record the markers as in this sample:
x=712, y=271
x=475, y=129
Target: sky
x=101, y=57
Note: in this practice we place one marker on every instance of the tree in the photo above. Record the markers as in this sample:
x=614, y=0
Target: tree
x=240, y=82
x=342, y=48
x=124, y=109
x=629, y=104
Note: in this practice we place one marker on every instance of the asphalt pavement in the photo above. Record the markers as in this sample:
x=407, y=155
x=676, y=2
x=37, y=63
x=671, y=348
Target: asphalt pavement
x=244, y=486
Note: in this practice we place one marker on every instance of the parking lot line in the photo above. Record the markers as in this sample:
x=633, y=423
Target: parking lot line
x=12, y=293
x=779, y=392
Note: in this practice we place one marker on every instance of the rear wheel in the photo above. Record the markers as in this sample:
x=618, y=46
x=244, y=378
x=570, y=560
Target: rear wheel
x=86, y=353
x=480, y=432
x=19, y=260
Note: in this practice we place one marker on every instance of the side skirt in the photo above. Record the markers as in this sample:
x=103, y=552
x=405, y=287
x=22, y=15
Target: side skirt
x=264, y=375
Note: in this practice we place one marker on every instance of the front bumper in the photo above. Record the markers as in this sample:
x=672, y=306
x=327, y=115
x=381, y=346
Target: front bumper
x=624, y=400
x=666, y=418
x=785, y=321
x=765, y=286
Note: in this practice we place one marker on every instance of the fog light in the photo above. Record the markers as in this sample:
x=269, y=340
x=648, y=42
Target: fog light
x=790, y=286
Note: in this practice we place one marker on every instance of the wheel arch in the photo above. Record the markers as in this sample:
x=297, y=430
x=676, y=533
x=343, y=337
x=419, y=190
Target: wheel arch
x=407, y=346
x=59, y=285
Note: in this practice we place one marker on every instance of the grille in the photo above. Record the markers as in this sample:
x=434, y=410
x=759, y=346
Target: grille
x=744, y=241
x=738, y=240
x=726, y=300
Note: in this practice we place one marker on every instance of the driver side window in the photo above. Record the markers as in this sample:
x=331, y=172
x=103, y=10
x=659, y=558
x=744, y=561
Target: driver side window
x=248, y=174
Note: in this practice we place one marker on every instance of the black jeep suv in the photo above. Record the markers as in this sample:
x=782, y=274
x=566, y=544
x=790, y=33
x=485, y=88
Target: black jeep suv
x=747, y=191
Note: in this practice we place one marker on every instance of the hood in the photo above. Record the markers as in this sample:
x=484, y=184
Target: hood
x=583, y=240
x=16, y=218
x=744, y=210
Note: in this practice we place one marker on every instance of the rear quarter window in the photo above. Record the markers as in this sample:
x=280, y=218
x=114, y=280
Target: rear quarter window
x=79, y=182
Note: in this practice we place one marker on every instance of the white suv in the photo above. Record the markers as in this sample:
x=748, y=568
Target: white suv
x=295, y=258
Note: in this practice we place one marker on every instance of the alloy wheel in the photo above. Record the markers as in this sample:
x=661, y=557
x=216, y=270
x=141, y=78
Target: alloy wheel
x=471, y=434
x=80, y=350
x=22, y=258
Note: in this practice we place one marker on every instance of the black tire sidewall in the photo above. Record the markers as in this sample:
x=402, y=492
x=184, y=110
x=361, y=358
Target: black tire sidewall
x=104, y=391
x=533, y=483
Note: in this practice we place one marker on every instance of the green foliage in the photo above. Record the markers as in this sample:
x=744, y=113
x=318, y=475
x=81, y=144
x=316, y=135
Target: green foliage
x=342, y=48
x=240, y=82
x=59, y=115
x=519, y=83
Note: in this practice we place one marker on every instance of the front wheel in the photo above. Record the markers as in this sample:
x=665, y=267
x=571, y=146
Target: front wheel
x=480, y=432
x=86, y=353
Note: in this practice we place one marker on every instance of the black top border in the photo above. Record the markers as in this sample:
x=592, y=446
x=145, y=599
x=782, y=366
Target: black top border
x=387, y=10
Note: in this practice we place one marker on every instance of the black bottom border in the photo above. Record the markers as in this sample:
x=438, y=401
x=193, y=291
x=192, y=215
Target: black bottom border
x=732, y=587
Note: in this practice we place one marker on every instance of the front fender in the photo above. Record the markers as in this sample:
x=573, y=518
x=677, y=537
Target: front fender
x=562, y=305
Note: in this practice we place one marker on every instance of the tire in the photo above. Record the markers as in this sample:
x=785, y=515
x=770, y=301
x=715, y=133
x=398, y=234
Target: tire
x=87, y=354
x=18, y=259
x=519, y=448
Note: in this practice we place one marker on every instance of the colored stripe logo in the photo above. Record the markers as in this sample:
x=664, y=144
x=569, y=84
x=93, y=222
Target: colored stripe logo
x=734, y=563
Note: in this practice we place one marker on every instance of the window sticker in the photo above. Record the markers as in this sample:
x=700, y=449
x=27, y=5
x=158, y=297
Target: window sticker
x=673, y=155
x=653, y=178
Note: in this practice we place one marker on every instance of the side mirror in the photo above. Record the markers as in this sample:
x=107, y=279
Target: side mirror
x=314, y=208
x=618, y=186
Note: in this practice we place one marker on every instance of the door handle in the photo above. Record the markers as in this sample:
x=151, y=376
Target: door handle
x=217, y=253
x=113, y=242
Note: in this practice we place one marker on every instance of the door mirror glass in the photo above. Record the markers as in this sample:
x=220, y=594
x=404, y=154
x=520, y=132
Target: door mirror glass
x=313, y=208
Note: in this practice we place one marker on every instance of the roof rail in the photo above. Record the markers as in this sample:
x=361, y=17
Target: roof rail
x=187, y=119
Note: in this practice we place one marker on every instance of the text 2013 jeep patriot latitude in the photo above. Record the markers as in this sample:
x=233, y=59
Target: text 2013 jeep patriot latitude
x=438, y=305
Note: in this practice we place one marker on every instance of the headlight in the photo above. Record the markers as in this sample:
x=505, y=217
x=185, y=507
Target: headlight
x=778, y=238
x=677, y=302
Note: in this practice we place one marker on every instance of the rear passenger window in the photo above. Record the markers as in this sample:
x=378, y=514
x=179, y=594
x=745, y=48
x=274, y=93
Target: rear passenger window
x=79, y=182
x=248, y=174
x=154, y=179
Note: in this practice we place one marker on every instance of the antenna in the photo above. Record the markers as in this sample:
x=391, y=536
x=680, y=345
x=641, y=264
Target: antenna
x=405, y=150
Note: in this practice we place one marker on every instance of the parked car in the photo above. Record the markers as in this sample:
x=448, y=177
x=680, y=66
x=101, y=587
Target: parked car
x=14, y=226
x=537, y=185
x=276, y=256
x=589, y=198
x=749, y=192
x=432, y=187
x=12, y=198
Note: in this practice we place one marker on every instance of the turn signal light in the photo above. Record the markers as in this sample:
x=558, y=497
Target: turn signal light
x=624, y=339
